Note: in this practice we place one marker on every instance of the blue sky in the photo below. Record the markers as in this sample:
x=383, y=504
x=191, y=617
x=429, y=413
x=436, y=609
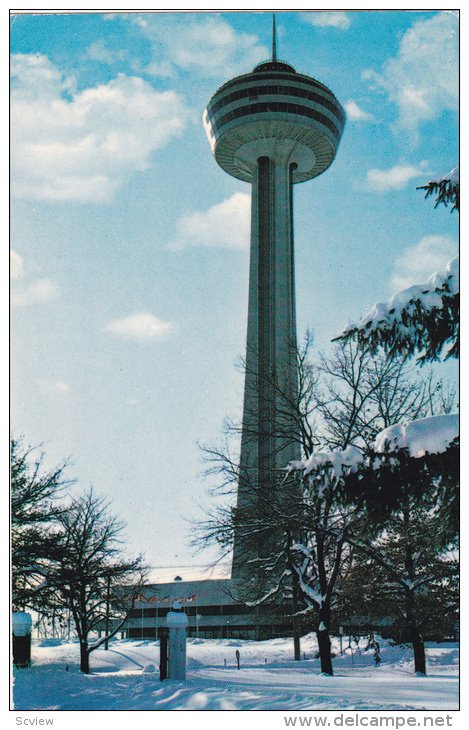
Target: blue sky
x=130, y=246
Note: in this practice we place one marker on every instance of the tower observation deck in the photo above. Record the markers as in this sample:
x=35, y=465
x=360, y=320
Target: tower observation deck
x=273, y=128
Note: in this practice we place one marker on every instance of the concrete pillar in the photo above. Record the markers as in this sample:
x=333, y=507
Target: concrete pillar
x=270, y=437
x=177, y=624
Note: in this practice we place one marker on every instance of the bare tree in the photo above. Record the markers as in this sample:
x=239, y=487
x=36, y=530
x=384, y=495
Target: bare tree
x=90, y=577
x=294, y=412
x=363, y=393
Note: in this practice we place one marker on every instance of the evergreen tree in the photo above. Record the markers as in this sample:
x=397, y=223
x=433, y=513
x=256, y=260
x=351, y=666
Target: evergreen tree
x=411, y=569
x=412, y=498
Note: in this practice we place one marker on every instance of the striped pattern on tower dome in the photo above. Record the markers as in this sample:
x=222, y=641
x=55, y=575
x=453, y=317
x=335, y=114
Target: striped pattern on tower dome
x=280, y=105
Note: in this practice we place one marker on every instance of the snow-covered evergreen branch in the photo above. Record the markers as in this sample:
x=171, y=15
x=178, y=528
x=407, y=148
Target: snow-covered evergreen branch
x=446, y=190
x=421, y=319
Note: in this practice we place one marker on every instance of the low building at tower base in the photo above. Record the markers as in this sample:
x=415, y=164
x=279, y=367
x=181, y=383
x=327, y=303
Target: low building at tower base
x=212, y=609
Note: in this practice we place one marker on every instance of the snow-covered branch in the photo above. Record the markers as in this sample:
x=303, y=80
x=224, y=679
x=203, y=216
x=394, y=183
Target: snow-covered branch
x=272, y=593
x=446, y=190
x=432, y=435
x=423, y=318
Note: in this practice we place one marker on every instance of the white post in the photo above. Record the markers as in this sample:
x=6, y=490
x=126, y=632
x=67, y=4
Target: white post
x=21, y=630
x=177, y=624
x=21, y=623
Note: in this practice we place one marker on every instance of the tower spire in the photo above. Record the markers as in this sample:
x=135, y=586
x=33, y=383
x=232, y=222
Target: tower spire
x=274, y=39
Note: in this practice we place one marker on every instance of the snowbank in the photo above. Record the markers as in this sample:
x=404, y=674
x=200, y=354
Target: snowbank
x=268, y=679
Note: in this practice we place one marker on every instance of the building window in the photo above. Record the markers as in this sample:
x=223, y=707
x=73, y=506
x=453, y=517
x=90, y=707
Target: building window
x=146, y=632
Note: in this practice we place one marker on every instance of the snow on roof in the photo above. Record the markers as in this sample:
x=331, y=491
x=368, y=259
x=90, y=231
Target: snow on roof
x=198, y=592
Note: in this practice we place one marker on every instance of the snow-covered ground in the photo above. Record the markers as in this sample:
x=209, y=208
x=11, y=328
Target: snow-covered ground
x=126, y=678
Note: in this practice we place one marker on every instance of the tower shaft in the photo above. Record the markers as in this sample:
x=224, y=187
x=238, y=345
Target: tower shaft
x=269, y=431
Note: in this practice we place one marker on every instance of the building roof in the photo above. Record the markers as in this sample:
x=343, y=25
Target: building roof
x=198, y=592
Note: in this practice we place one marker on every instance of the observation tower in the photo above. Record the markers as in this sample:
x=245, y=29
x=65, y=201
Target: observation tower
x=272, y=128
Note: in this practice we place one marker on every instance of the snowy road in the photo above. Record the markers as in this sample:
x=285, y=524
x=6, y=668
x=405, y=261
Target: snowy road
x=304, y=689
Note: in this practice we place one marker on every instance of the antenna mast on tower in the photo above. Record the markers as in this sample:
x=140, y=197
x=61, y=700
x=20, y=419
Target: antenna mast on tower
x=274, y=39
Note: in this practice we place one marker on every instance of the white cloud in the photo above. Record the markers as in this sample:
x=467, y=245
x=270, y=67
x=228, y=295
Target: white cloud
x=142, y=327
x=204, y=43
x=16, y=265
x=40, y=291
x=396, y=178
x=224, y=225
x=60, y=386
x=419, y=262
x=355, y=114
x=24, y=292
x=82, y=146
x=98, y=51
x=163, y=68
x=422, y=80
x=55, y=385
x=334, y=19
